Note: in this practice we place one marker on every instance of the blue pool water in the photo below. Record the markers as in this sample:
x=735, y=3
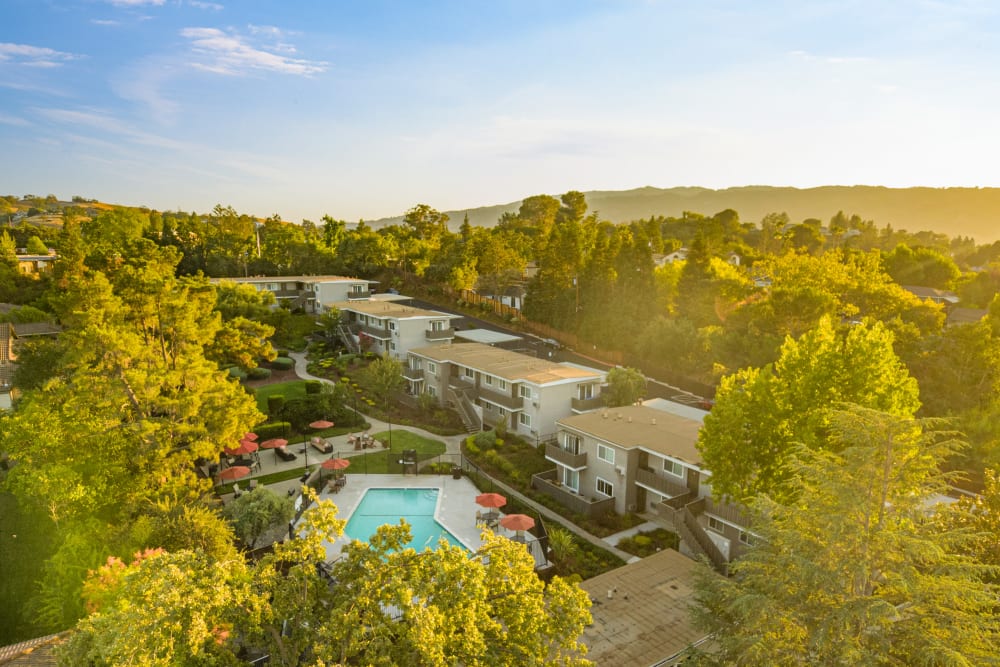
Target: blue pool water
x=382, y=506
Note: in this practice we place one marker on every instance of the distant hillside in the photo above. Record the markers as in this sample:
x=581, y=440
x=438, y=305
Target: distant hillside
x=971, y=212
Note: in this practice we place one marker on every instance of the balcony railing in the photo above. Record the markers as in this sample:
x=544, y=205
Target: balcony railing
x=585, y=404
x=356, y=296
x=546, y=482
x=439, y=334
x=506, y=400
x=568, y=459
x=413, y=373
x=662, y=485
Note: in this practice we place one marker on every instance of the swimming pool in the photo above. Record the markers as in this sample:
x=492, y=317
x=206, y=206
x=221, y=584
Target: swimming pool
x=382, y=506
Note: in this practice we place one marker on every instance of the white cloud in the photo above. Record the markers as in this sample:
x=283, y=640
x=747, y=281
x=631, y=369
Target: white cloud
x=13, y=120
x=33, y=56
x=229, y=53
x=109, y=22
x=213, y=6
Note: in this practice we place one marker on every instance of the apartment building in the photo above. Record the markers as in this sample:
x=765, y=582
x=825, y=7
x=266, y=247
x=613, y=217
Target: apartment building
x=487, y=385
x=308, y=292
x=643, y=459
x=390, y=327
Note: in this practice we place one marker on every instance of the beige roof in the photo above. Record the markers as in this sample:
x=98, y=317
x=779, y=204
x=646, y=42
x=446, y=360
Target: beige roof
x=640, y=426
x=298, y=279
x=647, y=618
x=506, y=364
x=388, y=309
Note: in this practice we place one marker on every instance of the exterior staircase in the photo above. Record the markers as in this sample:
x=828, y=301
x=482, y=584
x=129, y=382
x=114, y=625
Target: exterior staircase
x=463, y=406
x=682, y=513
x=348, y=340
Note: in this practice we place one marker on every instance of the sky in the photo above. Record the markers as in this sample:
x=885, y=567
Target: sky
x=365, y=109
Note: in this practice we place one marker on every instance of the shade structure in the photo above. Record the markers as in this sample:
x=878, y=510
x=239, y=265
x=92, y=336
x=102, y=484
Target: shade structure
x=250, y=435
x=517, y=522
x=493, y=500
x=233, y=473
x=245, y=447
x=335, y=464
x=321, y=423
x=273, y=443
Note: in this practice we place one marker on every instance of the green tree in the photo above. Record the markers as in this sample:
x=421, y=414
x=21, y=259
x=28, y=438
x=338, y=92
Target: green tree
x=625, y=387
x=35, y=246
x=253, y=513
x=852, y=572
x=760, y=412
x=165, y=609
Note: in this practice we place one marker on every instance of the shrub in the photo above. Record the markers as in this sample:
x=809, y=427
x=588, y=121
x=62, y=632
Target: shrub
x=470, y=446
x=485, y=440
x=258, y=373
x=238, y=373
x=281, y=353
x=498, y=442
x=313, y=386
x=283, y=364
x=273, y=430
x=274, y=404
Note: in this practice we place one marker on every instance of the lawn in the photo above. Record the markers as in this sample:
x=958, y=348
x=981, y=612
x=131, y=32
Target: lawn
x=290, y=390
x=386, y=461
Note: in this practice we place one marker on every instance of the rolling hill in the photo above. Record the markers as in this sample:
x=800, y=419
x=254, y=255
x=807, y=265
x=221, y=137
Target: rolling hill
x=971, y=212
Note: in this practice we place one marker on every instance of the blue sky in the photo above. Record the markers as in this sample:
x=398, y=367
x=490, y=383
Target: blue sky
x=364, y=109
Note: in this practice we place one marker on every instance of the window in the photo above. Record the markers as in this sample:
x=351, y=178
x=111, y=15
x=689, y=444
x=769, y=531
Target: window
x=502, y=384
x=437, y=325
x=747, y=539
x=432, y=390
x=503, y=411
x=392, y=326
x=488, y=380
x=524, y=391
x=415, y=364
x=571, y=479
x=469, y=373
x=274, y=287
x=605, y=487
x=606, y=454
x=488, y=407
x=392, y=346
x=716, y=524
x=673, y=467
x=524, y=419
x=571, y=443
x=432, y=368
x=358, y=289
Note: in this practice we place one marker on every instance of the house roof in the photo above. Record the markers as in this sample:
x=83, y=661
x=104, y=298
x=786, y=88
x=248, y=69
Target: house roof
x=298, y=279
x=966, y=315
x=36, y=329
x=388, y=309
x=931, y=293
x=38, y=652
x=640, y=426
x=486, y=336
x=647, y=619
x=506, y=364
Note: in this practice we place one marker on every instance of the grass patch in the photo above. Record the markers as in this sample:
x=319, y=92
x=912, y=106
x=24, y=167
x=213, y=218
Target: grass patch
x=647, y=543
x=384, y=461
x=262, y=480
x=290, y=390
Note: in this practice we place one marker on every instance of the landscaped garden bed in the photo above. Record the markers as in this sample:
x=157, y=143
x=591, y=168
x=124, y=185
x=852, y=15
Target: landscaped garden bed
x=648, y=542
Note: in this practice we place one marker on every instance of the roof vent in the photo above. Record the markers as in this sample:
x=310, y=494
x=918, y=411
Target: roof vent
x=653, y=421
x=630, y=419
x=605, y=414
x=618, y=415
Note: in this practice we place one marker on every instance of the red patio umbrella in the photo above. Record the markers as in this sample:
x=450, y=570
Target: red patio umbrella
x=273, y=443
x=321, y=424
x=493, y=500
x=335, y=464
x=245, y=447
x=233, y=473
x=250, y=435
x=517, y=522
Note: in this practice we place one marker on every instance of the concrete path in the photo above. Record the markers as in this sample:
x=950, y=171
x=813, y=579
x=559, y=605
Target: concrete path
x=453, y=444
x=646, y=526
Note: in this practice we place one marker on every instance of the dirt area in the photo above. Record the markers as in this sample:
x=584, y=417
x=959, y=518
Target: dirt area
x=276, y=376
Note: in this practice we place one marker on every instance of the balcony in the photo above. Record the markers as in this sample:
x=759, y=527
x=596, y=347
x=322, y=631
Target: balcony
x=665, y=486
x=374, y=332
x=359, y=296
x=586, y=404
x=440, y=334
x=505, y=400
x=413, y=373
x=562, y=457
x=547, y=483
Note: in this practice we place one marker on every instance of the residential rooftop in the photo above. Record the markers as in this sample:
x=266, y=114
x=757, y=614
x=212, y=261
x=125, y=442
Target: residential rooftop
x=511, y=366
x=641, y=426
x=298, y=279
x=388, y=309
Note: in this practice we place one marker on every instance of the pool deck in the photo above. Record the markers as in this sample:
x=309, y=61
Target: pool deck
x=456, y=508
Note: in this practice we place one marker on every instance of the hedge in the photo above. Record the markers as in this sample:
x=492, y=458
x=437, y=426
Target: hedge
x=283, y=364
x=274, y=404
x=258, y=373
x=273, y=430
x=313, y=386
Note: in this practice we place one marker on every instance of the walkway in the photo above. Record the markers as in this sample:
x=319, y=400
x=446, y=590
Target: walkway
x=454, y=446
